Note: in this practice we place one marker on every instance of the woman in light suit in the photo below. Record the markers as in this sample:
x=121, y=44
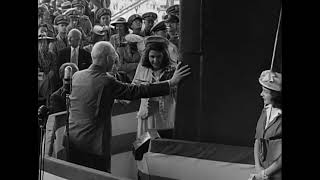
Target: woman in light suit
x=268, y=138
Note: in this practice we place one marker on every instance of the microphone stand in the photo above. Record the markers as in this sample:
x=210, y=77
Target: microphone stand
x=42, y=119
x=67, y=124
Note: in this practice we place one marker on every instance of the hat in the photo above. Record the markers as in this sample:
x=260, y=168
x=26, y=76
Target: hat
x=159, y=26
x=121, y=20
x=44, y=36
x=174, y=9
x=72, y=13
x=133, y=38
x=133, y=17
x=156, y=39
x=66, y=5
x=271, y=80
x=172, y=19
x=61, y=19
x=150, y=15
x=63, y=66
x=76, y=3
x=101, y=12
x=41, y=9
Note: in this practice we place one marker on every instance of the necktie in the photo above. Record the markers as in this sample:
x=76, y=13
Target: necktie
x=73, y=58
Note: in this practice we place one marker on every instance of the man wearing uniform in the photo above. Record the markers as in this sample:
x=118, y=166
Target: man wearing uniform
x=148, y=20
x=172, y=23
x=61, y=21
x=74, y=16
x=84, y=20
x=135, y=24
x=160, y=29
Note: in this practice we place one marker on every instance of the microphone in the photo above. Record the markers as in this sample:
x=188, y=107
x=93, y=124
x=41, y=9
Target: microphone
x=68, y=78
x=43, y=113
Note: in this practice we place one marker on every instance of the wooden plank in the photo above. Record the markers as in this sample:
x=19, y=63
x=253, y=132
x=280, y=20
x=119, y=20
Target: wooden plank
x=69, y=170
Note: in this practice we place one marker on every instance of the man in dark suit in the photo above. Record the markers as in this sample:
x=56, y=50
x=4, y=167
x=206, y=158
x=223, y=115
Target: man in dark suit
x=91, y=101
x=74, y=53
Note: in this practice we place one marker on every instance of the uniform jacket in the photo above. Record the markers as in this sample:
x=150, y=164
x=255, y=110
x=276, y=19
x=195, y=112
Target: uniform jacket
x=58, y=44
x=91, y=100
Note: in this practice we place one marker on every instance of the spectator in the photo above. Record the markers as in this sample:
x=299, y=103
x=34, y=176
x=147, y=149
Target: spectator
x=102, y=24
x=61, y=21
x=135, y=24
x=47, y=80
x=268, y=138
x=58, y=98
x=148, y=20
x=155, y=66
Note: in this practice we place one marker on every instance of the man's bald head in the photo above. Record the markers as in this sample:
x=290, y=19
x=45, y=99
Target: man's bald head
x=104, y=54
x=74, y=37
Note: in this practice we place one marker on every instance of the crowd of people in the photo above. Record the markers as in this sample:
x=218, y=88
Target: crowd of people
x=140, y=55
x=127, y=59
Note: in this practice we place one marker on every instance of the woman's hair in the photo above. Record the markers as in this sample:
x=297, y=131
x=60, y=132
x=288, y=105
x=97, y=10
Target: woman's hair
x=160, y=47
x=276, y=99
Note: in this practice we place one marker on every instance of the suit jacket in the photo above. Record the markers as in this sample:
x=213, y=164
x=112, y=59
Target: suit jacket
x=91, y=102
x=84, y=58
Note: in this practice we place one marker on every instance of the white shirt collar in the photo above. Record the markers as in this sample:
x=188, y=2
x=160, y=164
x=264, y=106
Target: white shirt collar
x=274, y=113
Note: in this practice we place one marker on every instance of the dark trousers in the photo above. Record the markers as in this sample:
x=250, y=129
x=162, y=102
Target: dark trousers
x=101, y=163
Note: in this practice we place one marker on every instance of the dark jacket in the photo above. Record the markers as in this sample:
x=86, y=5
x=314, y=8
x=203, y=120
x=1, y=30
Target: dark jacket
x=58, y=101
x=84, y=58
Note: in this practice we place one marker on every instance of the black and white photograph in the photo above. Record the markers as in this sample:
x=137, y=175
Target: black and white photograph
x=159, y=90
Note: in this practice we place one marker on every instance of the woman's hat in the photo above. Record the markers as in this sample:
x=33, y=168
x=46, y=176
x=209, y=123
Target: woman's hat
x=271, y=80
x=132, y=18
x=133, y=38
x=121, y=20
x=101, y=12
x=156, y=39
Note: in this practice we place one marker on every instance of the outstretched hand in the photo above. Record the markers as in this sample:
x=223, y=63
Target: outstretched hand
x=179, y=74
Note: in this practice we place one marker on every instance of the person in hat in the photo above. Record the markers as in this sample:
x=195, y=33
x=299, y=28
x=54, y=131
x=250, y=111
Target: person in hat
x=135, y=24
x=102, y=24
x=172, y=23
x=45, y=18
x=61, y=22
x=91, y=101
x=160, y=29
x=84, y=20
x=155, y=66
x=93, y=40
x=268, y=137
x=47, y=79
x=74, y=23
x=58, y=98
x=148, y=21
x=118, y=39
x=174, y=10
x=129, y=55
